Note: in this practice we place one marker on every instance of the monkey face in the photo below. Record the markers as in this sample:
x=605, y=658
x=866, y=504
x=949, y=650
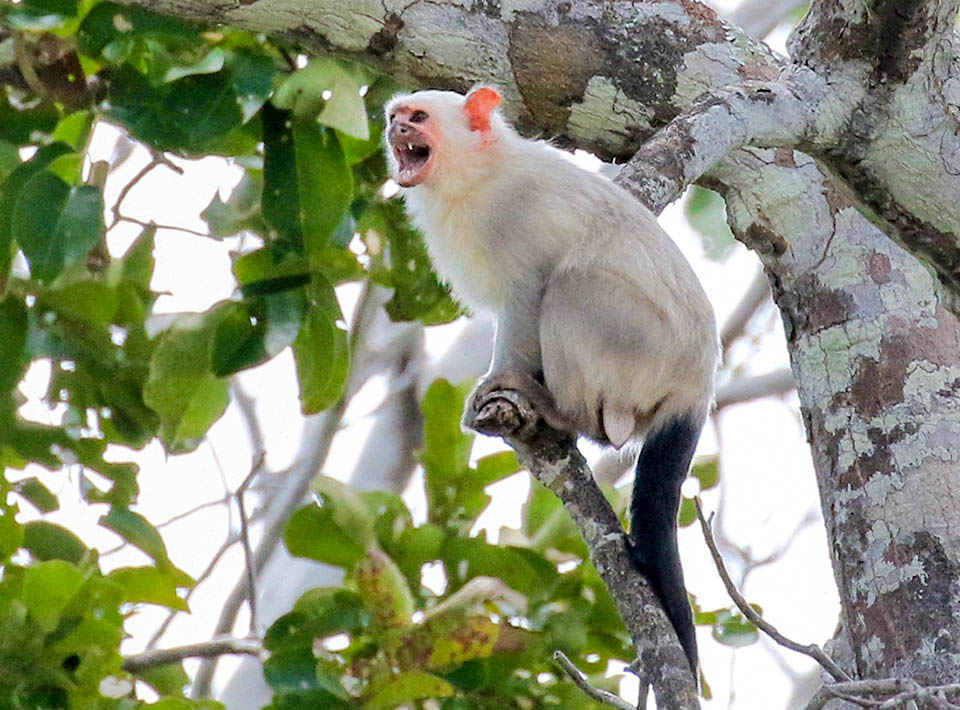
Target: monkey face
x=411, y=149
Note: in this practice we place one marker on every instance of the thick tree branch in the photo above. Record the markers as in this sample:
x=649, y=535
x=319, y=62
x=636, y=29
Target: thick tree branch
x=795, y=111
x=552, y=457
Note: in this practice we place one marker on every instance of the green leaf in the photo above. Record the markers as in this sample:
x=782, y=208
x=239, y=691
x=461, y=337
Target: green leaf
x=150, y=585
x=210, y=63
x=139, y=532
x=329, y=92
x=320, y=612
x=350, y=512
x=269, y=270
x=707, y=471
x=384, y=588
x=182, y=387
x=13, y=188
x=313, y=533
x=409, y=686
x=733, y=630
x=110, y=21
x=38, y=494
x=49, y=541
x=90, y=301
x=418, y=294
x=166, y=680
x=47, y=589
x=324, y=181
x=55, y=224
x=281, y=195
x=321, y=350
x=13, y=342
x=19, y=126
x=295, y=671
x=688, y=512
x=240, y=211
x=138, y=262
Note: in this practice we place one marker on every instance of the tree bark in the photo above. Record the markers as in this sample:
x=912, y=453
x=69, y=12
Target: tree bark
x=872, y=328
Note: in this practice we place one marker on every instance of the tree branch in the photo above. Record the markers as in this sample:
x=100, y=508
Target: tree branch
x=223, y=646
x=554, y=460
x=790, y=112
x=811, y=650
x=601, y=696
x=745, y=389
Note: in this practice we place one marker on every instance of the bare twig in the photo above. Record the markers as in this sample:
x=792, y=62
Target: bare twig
x=222, y=646
x=125, y=190
x=173, y=227
x=245, y=542
x=208, y=570
x=601, y=696
x=811, y=650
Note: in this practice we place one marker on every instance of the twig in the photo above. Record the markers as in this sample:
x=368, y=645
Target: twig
x=208, y=570
x=125, y=190
x=173, y=227
x=811, y=650
x=601, y=696
x=245, y=542
x=222, y=646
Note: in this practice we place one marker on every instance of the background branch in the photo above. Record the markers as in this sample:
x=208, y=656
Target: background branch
x=222, y=646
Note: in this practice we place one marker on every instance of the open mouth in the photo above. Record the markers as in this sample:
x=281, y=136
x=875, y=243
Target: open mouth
x=412, y=154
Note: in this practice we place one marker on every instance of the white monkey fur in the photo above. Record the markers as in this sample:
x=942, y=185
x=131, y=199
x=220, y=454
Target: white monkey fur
x=586, y=286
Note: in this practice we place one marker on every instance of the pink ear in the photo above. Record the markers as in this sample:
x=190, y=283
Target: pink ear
x=480, y=104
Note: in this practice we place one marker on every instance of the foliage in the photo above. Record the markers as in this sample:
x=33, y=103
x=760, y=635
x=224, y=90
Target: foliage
x=311, y=202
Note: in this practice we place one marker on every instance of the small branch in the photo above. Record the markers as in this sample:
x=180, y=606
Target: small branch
x=552, y=457
x=125, y=190
x=885, y=694
x=811, y=650
x=745, y=389
x=140, y=662
x=173, y=227
x=789, y=112
x=208, y=570
x=245, y=542
x=601, y=696
x=757, y=293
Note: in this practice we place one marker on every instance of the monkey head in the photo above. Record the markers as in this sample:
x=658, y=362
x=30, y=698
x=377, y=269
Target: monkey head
x=435, y=136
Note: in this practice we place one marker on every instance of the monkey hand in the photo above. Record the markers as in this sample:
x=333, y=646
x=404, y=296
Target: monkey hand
x=486, y=404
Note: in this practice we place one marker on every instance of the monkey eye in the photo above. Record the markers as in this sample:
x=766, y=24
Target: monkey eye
x=392, y=116
x=418, y=117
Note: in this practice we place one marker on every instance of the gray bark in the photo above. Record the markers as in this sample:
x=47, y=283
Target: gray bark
x=871, y=94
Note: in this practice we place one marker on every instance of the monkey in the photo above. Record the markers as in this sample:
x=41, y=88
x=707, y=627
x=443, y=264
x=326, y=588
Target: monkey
x=600, y=321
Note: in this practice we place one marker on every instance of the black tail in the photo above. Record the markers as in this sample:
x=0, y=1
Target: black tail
x=663, y=464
